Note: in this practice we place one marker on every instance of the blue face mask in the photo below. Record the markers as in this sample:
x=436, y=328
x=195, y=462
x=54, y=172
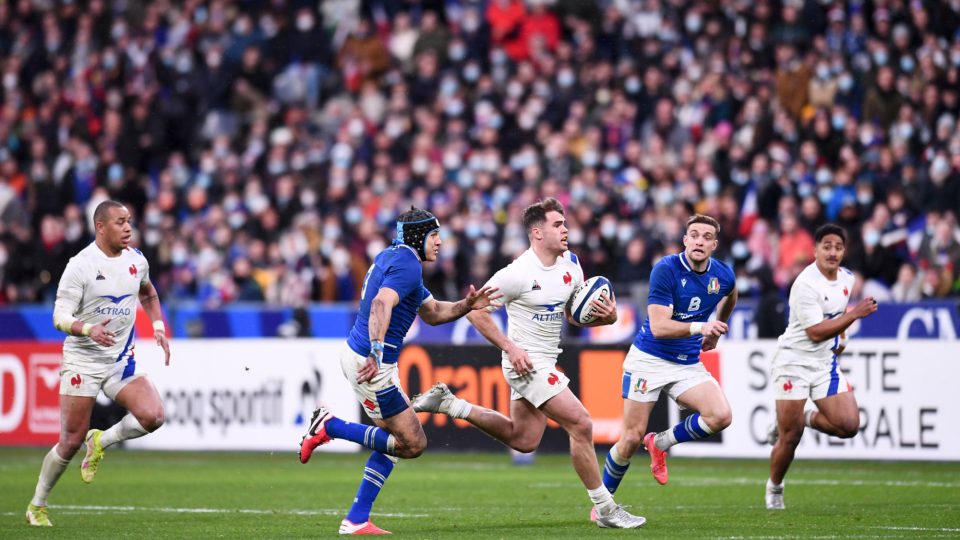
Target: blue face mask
x=838, y=121
x=907, y=64
x=845, y=82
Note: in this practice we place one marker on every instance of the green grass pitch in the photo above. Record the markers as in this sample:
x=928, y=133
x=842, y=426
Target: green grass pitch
x=258, y=495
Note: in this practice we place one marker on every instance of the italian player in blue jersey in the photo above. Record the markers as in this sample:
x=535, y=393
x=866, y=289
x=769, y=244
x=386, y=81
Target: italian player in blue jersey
x=392, y=296
x=665, y=356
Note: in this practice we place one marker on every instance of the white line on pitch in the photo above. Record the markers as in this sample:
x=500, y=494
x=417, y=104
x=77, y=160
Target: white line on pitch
x=316, y=512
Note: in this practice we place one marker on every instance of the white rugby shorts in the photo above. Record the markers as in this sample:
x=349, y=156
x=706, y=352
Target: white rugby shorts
x=381, y=397
x=539, y=385
x=795, y=376
x=86, y=379
x=645, y=376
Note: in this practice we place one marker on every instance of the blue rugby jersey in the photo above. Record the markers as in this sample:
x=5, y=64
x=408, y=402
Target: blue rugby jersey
x=398, y=267
x=691, y=296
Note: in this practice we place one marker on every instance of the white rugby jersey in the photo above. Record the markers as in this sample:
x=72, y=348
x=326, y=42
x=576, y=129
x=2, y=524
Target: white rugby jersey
x=95, y=287
x=814, y=298
x=535, y=296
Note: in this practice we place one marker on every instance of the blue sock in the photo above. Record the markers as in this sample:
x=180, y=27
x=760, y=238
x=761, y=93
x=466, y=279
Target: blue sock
x=691, y=429
x=614, y=469
x=374, y=475
x=372, y=437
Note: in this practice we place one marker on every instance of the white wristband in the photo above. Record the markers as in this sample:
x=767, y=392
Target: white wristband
x=85, y=331
x=159, y=327
x=696, y=328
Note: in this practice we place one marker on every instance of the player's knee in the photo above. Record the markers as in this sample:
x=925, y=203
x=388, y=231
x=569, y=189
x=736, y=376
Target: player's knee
x=582, y=428
x=152, y=418
x=791, y=437
x=69, y=443
x=848, y=428
x=630, y=441
x=412, y=448
x=719, y=420
x=524, y=447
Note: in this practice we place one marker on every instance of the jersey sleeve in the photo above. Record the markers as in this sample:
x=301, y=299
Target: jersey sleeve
x=403, y=276
x=579, y=276
x=425, y=295
x=661, y=286
x=506, y=280
x=70, y=289
x=146, y=270
x=804, y=302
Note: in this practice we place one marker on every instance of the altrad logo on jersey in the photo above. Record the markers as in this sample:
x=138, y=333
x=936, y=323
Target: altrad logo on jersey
x=108, y=310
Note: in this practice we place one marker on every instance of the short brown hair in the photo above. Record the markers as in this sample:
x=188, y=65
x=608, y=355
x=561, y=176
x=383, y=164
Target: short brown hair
x=707, y=220
x=535, y=215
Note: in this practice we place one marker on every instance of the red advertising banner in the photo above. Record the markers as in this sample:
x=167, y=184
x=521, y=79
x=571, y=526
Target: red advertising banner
x=29, y=393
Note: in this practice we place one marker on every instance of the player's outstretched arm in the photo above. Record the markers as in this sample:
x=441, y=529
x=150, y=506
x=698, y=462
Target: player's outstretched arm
x=484, y=323
x=724, y=310
x=664, y=327
x=436, y=312
x=831, y=328
x=150, y=301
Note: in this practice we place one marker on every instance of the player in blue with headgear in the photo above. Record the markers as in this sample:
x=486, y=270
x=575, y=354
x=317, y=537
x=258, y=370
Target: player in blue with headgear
x=665, y=356
x=392, y=296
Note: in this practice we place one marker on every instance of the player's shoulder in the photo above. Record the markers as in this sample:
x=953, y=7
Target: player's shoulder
x=85, y=256
x=723, y=268
x=133, y=253
x=846, y=274
x=669, y=262
x=399, y=255
x=569, y=258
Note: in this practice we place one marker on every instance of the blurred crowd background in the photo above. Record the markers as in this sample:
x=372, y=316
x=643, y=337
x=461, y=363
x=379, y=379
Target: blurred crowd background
x=265, y=148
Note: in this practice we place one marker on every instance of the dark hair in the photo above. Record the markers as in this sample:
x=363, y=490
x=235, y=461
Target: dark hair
x=706, y=220
x=830, y=228
x=414, y=227
x=102, y=212
x=535, y=215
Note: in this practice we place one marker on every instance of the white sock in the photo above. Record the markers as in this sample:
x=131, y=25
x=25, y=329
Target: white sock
x=460, y=408
x=602, y=499
x=808, y=417
x=617, y=458
x=771, y=485
x=127, y=428
x=51, y=470
x=665, y=439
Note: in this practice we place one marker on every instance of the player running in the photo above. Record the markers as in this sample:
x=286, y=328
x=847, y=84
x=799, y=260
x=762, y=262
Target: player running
x=535, y=289
x=805, y=365
x=392, y=295
x=97, y=305
x=665, y=356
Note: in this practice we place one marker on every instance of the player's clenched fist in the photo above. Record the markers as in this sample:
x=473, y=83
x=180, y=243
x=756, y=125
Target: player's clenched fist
x=867, y=306
x=714, y=328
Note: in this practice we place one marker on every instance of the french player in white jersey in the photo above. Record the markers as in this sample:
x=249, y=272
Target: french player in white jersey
x=96, y=306
x=535, y=288
x=805, y=365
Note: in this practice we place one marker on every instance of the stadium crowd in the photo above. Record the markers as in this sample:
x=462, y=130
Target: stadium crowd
x=266, y=147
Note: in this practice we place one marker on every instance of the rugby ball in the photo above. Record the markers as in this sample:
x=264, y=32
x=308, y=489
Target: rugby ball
x=581, y=301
